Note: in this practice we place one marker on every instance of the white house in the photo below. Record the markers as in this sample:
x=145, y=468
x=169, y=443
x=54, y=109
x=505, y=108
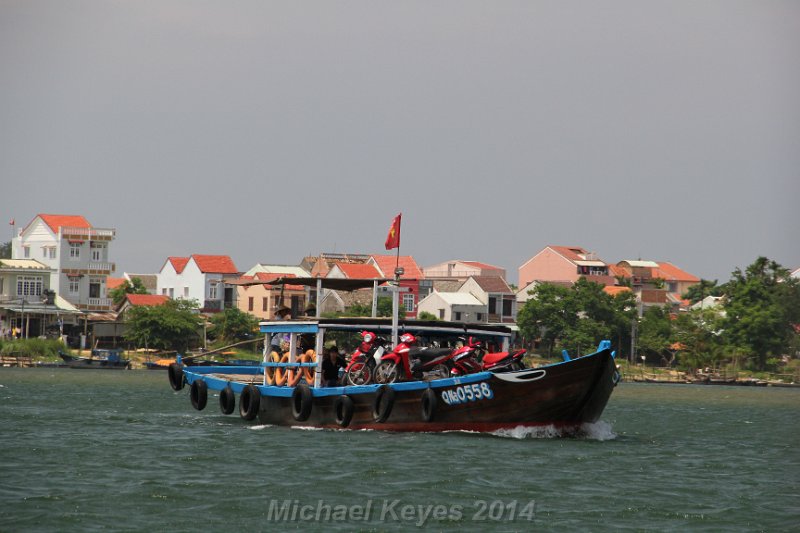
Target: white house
x=495, y=294
x=456, y=306
x=77, y=253
x=199, y=277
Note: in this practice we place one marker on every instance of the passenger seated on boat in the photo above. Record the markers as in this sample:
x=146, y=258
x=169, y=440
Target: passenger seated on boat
x=282, y=313
x=330, y=367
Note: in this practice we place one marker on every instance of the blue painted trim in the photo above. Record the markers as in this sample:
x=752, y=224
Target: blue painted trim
x=217, y=384
x=293, y=365
x=289, y=328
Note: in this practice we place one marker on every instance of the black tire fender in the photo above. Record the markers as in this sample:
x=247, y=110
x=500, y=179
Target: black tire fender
x=198, y=394
x=384, y=401
x=343, y=409
x=227, y=400
x=175, y=374
x=249, y=402
x=428, y=405
x=302, y=401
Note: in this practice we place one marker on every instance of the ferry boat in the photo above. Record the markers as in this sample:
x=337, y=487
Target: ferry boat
x=565, y=395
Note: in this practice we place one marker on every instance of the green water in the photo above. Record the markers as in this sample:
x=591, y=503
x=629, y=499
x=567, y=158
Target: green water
x=119, y=450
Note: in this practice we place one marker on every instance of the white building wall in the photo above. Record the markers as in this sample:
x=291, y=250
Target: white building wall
x=167, y=279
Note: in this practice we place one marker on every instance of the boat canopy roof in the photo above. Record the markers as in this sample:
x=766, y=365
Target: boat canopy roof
x=335, y=284
x=384, y=325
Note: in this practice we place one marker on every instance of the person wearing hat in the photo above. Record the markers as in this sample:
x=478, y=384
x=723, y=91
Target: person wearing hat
x=330, y=367
x=282, y=313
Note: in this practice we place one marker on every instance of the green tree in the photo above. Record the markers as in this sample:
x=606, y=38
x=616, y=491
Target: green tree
x=134, y=286
x=695, y=293
x=171, y=326
x=656, y=333
x=761, y=306
x=699, y=332
x=424, y=315
x=5, y=250
x=384, y=309
x=233, y=325
x=576, y=318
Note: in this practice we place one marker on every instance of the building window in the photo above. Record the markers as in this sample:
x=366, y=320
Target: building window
x=250, y=303
x=480, y=317
x=171, y=292
x=186, y=292
x=408, y=302
x=441, y=314
x=74, y=250
x=26, y=252
x=457, y=316
x=212, y=291
x=265, y=304
x=97, y=250
x=507, y=307
x=52, y=252
x=94, y=288
x=74, y=285
x=492, y=305
x=164, y=292
x=29, y=285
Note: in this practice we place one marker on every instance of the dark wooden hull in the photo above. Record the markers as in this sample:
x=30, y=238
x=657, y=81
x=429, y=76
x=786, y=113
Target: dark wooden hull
x=566, y=394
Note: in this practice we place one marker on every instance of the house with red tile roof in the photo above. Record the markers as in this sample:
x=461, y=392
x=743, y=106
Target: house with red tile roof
x=564, y=264
x=263, y=300
x=412, y=281
x=75, y=251
x=496, y=295
x=338, y=301
x=199, y=277
x=657, y=283
x=139, y=300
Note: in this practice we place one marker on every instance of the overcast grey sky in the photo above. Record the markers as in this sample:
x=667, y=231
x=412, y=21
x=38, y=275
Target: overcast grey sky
x=272, y=130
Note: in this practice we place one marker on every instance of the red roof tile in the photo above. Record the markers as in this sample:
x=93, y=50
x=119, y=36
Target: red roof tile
x=147, y=299
x=387, y=263
x=358, y=271
x=570, y=252
x=71, y=221
x=493, y=284
x=178, y=263
x=670, y=272
x=113, y=283
x=482, y=266
x=614, y=290
x=215, y=264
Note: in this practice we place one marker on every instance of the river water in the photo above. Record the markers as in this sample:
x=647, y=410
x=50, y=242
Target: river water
x=84, y=450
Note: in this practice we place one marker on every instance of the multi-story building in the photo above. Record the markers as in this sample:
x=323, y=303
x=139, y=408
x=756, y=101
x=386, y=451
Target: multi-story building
x=77, y=254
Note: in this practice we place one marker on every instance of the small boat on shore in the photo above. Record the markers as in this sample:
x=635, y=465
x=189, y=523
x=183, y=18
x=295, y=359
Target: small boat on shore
x=100, y=359
x=565, y=395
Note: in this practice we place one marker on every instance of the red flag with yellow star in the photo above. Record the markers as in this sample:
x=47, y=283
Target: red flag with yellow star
x=393, y=239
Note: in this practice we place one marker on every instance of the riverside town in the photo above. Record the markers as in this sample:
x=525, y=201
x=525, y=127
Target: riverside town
x=58, y=280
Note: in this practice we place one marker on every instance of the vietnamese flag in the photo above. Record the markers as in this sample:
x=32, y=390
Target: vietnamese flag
x=393, y=239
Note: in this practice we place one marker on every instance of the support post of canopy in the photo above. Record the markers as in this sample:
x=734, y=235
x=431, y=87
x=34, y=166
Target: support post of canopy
x=319, y=296
x=318, y=347
x=264, y=354
x=374, y=298
x=395, y=310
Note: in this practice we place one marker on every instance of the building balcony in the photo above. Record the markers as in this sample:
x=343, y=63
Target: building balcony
x=93, y=268
x=88, y=234
x=96, y=304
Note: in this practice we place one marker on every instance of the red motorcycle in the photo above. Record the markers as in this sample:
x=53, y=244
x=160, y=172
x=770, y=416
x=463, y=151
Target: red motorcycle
x=471, y=359
x=361, y=368
x=407, y=363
